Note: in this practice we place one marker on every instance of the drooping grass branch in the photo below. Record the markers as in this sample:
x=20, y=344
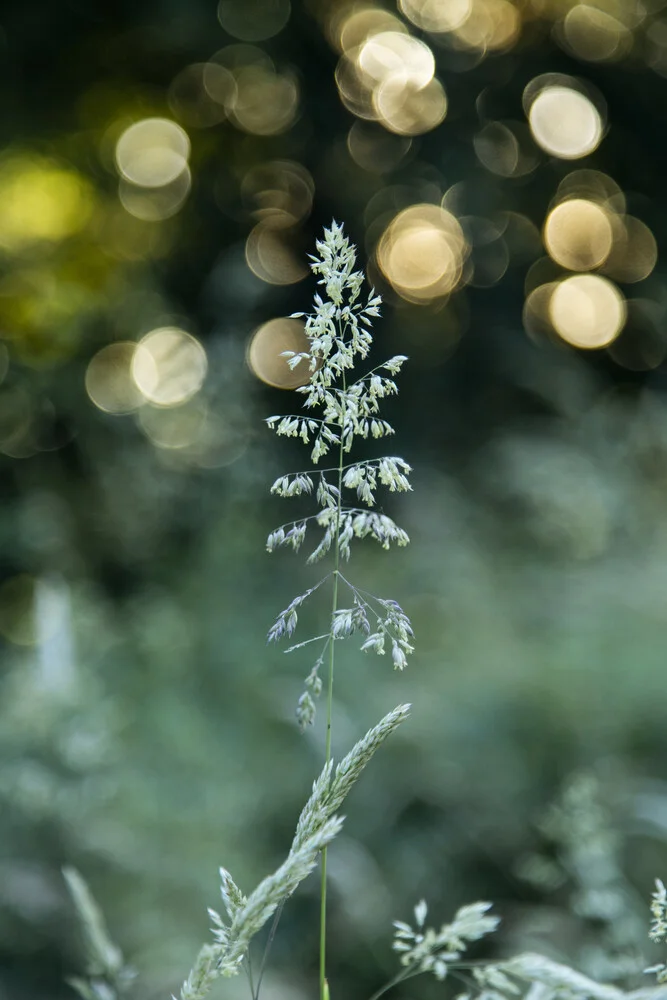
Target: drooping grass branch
x=318, y=824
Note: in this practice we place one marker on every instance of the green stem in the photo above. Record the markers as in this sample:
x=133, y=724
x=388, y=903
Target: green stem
x=400, y=977
x=267, y=949
x=324, y=989
x=248, y=968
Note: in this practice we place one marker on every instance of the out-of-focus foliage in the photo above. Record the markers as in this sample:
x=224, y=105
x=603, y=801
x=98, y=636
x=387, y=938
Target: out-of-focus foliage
x=164, y=168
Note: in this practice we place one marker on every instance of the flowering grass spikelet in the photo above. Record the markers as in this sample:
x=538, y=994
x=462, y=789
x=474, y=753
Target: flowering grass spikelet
x=347, y=405
x=339, y=336
x=426, y=950
x=658, y=929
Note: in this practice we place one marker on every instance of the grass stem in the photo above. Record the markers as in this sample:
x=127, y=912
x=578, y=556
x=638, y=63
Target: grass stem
x=324, y=989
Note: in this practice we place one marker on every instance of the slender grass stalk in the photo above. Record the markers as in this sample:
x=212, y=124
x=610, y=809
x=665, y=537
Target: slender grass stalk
x=267, y=949
x=339, y=335
x=332, y=647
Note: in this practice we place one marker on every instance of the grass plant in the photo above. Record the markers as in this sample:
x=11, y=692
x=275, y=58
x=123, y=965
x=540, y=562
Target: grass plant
x=341, y=406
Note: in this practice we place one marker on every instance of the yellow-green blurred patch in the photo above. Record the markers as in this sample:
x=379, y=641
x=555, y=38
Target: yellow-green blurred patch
x=40, y=201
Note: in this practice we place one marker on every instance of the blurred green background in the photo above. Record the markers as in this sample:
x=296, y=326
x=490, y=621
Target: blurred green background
x=165, y=166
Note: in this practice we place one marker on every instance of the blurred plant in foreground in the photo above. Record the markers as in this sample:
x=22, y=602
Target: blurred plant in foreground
x=107, y=977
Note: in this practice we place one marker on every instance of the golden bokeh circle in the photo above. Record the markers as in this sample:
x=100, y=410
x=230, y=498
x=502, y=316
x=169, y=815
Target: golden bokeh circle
x=490, y=26
x=375, y=149
x=152, y=152
x=408, y=109
x=592, y=185
x=266, y=102
x=278, y=192
x=155, y=204
x=175, y=427
x=395, y=54
x=594, y=34
x=578, y=234
x=565, y=122
x=271, y=255
x=422, y=251
x=587, y=311
x=536, y=317
x=352, y=27
x=266, y=346
x=109, y=381
x=169, y=366
x=436, y=16
x=635, y=252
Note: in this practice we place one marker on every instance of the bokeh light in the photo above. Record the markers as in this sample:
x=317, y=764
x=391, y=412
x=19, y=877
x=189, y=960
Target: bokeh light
x=386, y=75
x=489, y=255
x=592, y=185
x=154, y=204
x=594, y=34
x=521, y=236
x=169, y=366
x=536, y=316
x=152, y=152
x=564, y=121
x=264, y=353
x=422, y=252
x=407, y=108
x=655, y=43
x=278, y=193
x=375, y=150
x=41, y=200
x=578, y=234
x=395, y=54
x=505, y=149
x=109, y=381
x=437, y=15
x=491, y=26
x=263, y=99
x=253, y=20
x=635, y=251
x=43, y=305
x=151, y=157
x=272, y=254
x=642, y=344
x=587, y=311
x=350, y=26
x=201, y=93
x=173, y=427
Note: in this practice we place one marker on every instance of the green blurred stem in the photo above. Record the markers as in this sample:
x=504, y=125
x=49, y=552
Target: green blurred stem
x=324, y=989
x=400, y=977
x=410, y=972
x=267, y=949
